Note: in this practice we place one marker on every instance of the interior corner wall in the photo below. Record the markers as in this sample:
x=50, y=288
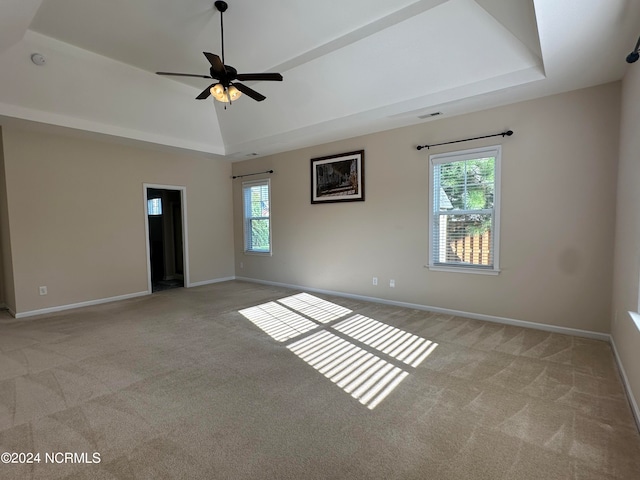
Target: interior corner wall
x=7, y=294
x=3, y=202
x=76, y=216
x=625, y=333
x=557, y=222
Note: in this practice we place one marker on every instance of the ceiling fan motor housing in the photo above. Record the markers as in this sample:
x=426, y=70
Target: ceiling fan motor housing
x=226, y=77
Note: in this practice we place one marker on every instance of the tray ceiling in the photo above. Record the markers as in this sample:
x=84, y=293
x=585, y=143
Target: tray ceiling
x=350, y=66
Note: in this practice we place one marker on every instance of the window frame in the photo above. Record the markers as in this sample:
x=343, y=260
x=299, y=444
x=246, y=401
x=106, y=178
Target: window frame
x=458, y=156
x=246, y=220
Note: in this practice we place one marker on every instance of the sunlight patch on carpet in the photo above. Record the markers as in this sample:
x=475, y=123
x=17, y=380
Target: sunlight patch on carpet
x=366, y=377
x=396, y=343
x=347, y=362
x=277, y=321
x=314, y=307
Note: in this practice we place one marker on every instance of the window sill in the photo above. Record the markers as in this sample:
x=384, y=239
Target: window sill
x=635, y=316
x=476, y=271
x=259, y=254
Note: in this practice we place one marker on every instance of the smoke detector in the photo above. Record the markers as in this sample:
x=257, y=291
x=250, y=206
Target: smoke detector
x=38, y=59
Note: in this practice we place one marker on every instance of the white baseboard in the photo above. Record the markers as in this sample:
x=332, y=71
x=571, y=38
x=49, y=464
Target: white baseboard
x=625, y=380
x=476, y=316
x=71, y=306
x=61, y=308
x=209, y=282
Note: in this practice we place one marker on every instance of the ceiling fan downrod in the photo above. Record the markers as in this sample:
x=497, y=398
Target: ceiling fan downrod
x=221, y=6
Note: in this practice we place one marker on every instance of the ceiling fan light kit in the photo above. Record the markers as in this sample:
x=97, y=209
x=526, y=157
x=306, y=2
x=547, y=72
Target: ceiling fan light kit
x=223, y=95
x=227, y=89
x=634, y=55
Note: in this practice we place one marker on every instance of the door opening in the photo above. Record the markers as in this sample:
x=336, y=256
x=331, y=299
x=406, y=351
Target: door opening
x=165, y=230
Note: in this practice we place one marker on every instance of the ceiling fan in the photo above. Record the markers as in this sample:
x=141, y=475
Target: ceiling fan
x=226, y=89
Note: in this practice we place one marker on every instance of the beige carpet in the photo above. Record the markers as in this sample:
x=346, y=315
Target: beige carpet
x=244, y=381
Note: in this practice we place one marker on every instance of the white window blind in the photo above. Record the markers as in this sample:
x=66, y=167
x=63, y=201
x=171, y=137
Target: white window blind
x=257, y=221
x=464, y=216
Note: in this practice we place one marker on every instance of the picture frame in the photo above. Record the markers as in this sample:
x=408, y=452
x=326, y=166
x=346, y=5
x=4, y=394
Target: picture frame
x=338, y=178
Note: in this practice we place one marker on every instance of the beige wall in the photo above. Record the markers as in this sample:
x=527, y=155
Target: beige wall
x=3, y=225
x=627, y=246
x=76, y=216
x=558, y=200
x=7, y=296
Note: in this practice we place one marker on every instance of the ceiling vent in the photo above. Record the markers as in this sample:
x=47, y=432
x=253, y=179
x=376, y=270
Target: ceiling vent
x=429, y=115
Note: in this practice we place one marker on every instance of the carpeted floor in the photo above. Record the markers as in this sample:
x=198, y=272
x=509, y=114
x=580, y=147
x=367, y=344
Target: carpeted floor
x=244, y=381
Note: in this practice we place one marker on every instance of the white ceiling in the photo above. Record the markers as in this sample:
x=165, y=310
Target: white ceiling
x=350, y=67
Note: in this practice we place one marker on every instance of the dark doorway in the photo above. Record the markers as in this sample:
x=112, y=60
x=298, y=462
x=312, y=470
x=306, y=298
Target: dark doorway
x=166, y=254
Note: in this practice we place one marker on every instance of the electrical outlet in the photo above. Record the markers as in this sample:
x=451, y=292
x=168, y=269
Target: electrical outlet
x=392, y=283
x=375, y=280
x=42, y=290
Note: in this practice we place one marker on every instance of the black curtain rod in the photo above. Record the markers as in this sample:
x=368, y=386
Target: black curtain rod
x=508, y=133
x=249, y=174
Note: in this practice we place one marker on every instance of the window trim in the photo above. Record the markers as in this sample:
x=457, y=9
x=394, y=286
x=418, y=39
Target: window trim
x=457, y=156
x=245, y=219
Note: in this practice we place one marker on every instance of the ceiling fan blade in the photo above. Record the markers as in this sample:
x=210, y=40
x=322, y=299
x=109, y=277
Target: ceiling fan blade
x=272, y=77
x=205, y=93
x=250, y=92
x=184, y=74
x=215, y=62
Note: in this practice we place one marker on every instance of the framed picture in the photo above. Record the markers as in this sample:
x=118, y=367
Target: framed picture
x=338, y=178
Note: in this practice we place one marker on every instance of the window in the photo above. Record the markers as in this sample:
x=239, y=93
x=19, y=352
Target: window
x=154, y=206
x=257, y=222
x=464, y=213
x=635, y=316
